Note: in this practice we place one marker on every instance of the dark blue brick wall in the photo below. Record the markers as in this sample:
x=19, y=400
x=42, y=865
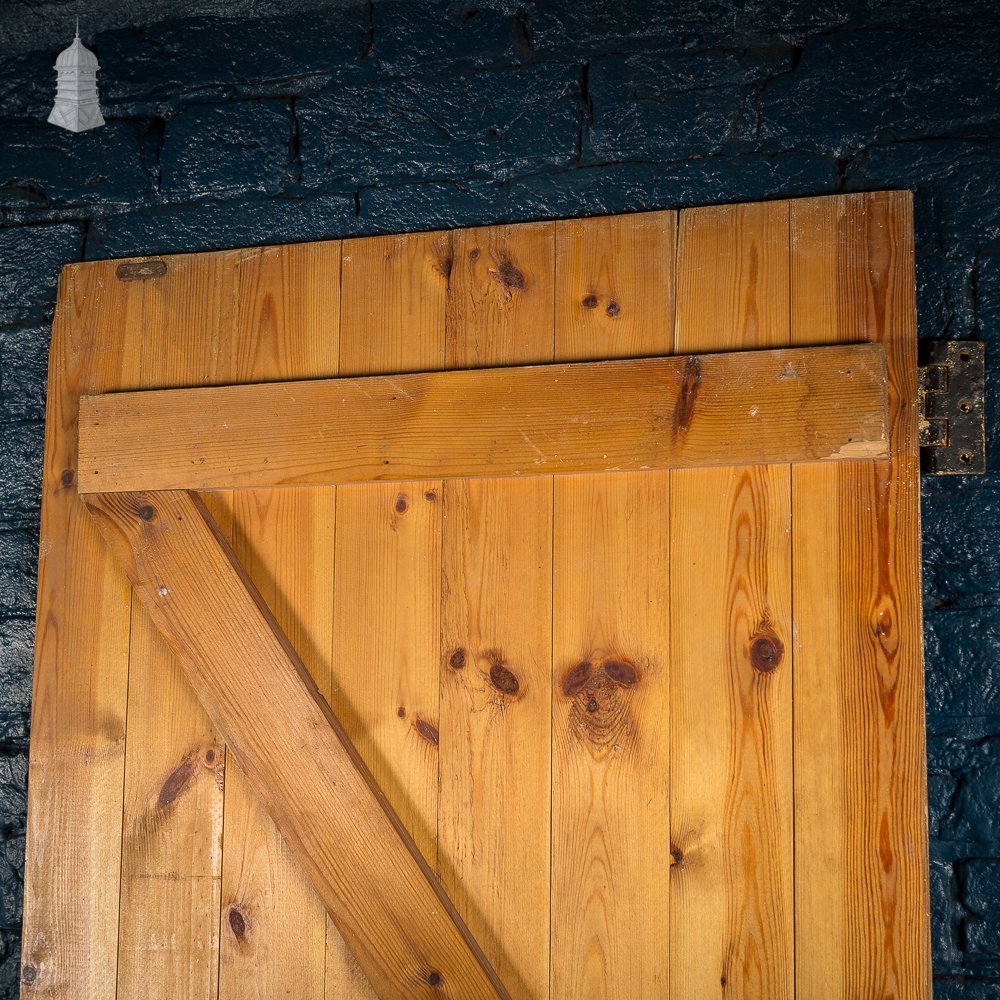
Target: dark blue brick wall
x=411, y=114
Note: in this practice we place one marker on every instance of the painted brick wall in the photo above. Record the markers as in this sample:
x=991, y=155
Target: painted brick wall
x=411, y=114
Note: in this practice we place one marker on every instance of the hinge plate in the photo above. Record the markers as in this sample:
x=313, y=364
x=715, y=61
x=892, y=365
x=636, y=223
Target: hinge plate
x=951, y=410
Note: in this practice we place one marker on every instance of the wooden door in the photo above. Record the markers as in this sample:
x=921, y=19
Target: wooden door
x=660, y=733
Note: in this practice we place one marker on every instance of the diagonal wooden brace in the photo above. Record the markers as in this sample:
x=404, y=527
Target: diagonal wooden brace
x=386, y=902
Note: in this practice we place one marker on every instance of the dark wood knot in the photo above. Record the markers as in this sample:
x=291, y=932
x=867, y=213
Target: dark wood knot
x=237, y=923
x=621, y=672
x=576, y=678
x=504, y=679
x=766, y=652
x=428, y=731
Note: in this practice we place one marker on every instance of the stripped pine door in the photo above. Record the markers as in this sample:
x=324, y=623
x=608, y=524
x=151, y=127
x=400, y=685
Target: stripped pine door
x=659, y=733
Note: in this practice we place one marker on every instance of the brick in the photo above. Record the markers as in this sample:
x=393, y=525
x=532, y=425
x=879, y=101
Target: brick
x=30, y=260
x=153, y=69
x=853, y=89
x=218, y=225
x=636, y=112
x=13, y=803
x=945, y=301
x=962, y=652
x=944, y=915
x=27, y=85
x=226, y=149
x=413, y=207
x=418, y=37
x=581, y=27
x=964, y=785
x=19, y=559
x=640, y=186
x=987, y=305
x=490, y=124
x=964, y=988
x=46, y=166
x=24, y=353
x=17, y=638
x=21, y=470
x=980, y=895
x=960, y=554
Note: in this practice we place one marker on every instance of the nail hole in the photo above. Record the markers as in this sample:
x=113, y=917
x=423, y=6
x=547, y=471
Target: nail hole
x=965, y=458
x=965, y=406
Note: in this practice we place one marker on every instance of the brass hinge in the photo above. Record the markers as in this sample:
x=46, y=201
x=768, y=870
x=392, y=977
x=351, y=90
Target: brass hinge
x=951, y=409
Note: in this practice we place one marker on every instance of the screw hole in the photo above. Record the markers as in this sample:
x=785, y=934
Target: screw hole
x=965, y=406
x=965, y=458
x=964, y=355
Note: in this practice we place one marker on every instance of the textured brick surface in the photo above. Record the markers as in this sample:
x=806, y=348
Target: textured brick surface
x=233, y=125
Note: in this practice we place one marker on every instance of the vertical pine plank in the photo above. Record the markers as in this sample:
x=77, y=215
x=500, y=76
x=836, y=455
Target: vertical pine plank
x=388, y=545
x=76, y=769
x=174, y=762
x=496, y=627
x=731, y=899
x=610, y=750
x=273, y=929
x=860, y=793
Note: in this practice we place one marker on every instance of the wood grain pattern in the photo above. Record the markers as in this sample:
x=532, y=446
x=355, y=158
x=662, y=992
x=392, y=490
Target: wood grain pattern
x=175, y=762
x=76, y=769
x=384, y=898
x=496, y=628
x=577, y=694
x=860, y=794
x=273, y=926
x=610, y=742
x=731, y=913
x=386, y=638
x=655, y=413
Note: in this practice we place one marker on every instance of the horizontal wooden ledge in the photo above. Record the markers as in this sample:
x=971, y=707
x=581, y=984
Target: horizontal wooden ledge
x=737, y=408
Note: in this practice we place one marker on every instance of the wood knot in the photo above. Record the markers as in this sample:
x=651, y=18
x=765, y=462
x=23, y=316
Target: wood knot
x=766, y=652
x=29, y=974
x=430, y=495
x=883, y=627
x=238, y=923
x=621, y=672
x=178, y=779
x=434, y=978
x=474, y=254
x=427, y=730
x=676, y=855
x=402, y=503
x=576, y=678
x=590, y=302
x=444, y=264
x=147, y=513
x=457, y=659
x=509, y=274
x=67, y=478
x=686, y=398
x=504, y=679
x=401, y=712
x=210, y=756
x=600, y=715
x=613, y=309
